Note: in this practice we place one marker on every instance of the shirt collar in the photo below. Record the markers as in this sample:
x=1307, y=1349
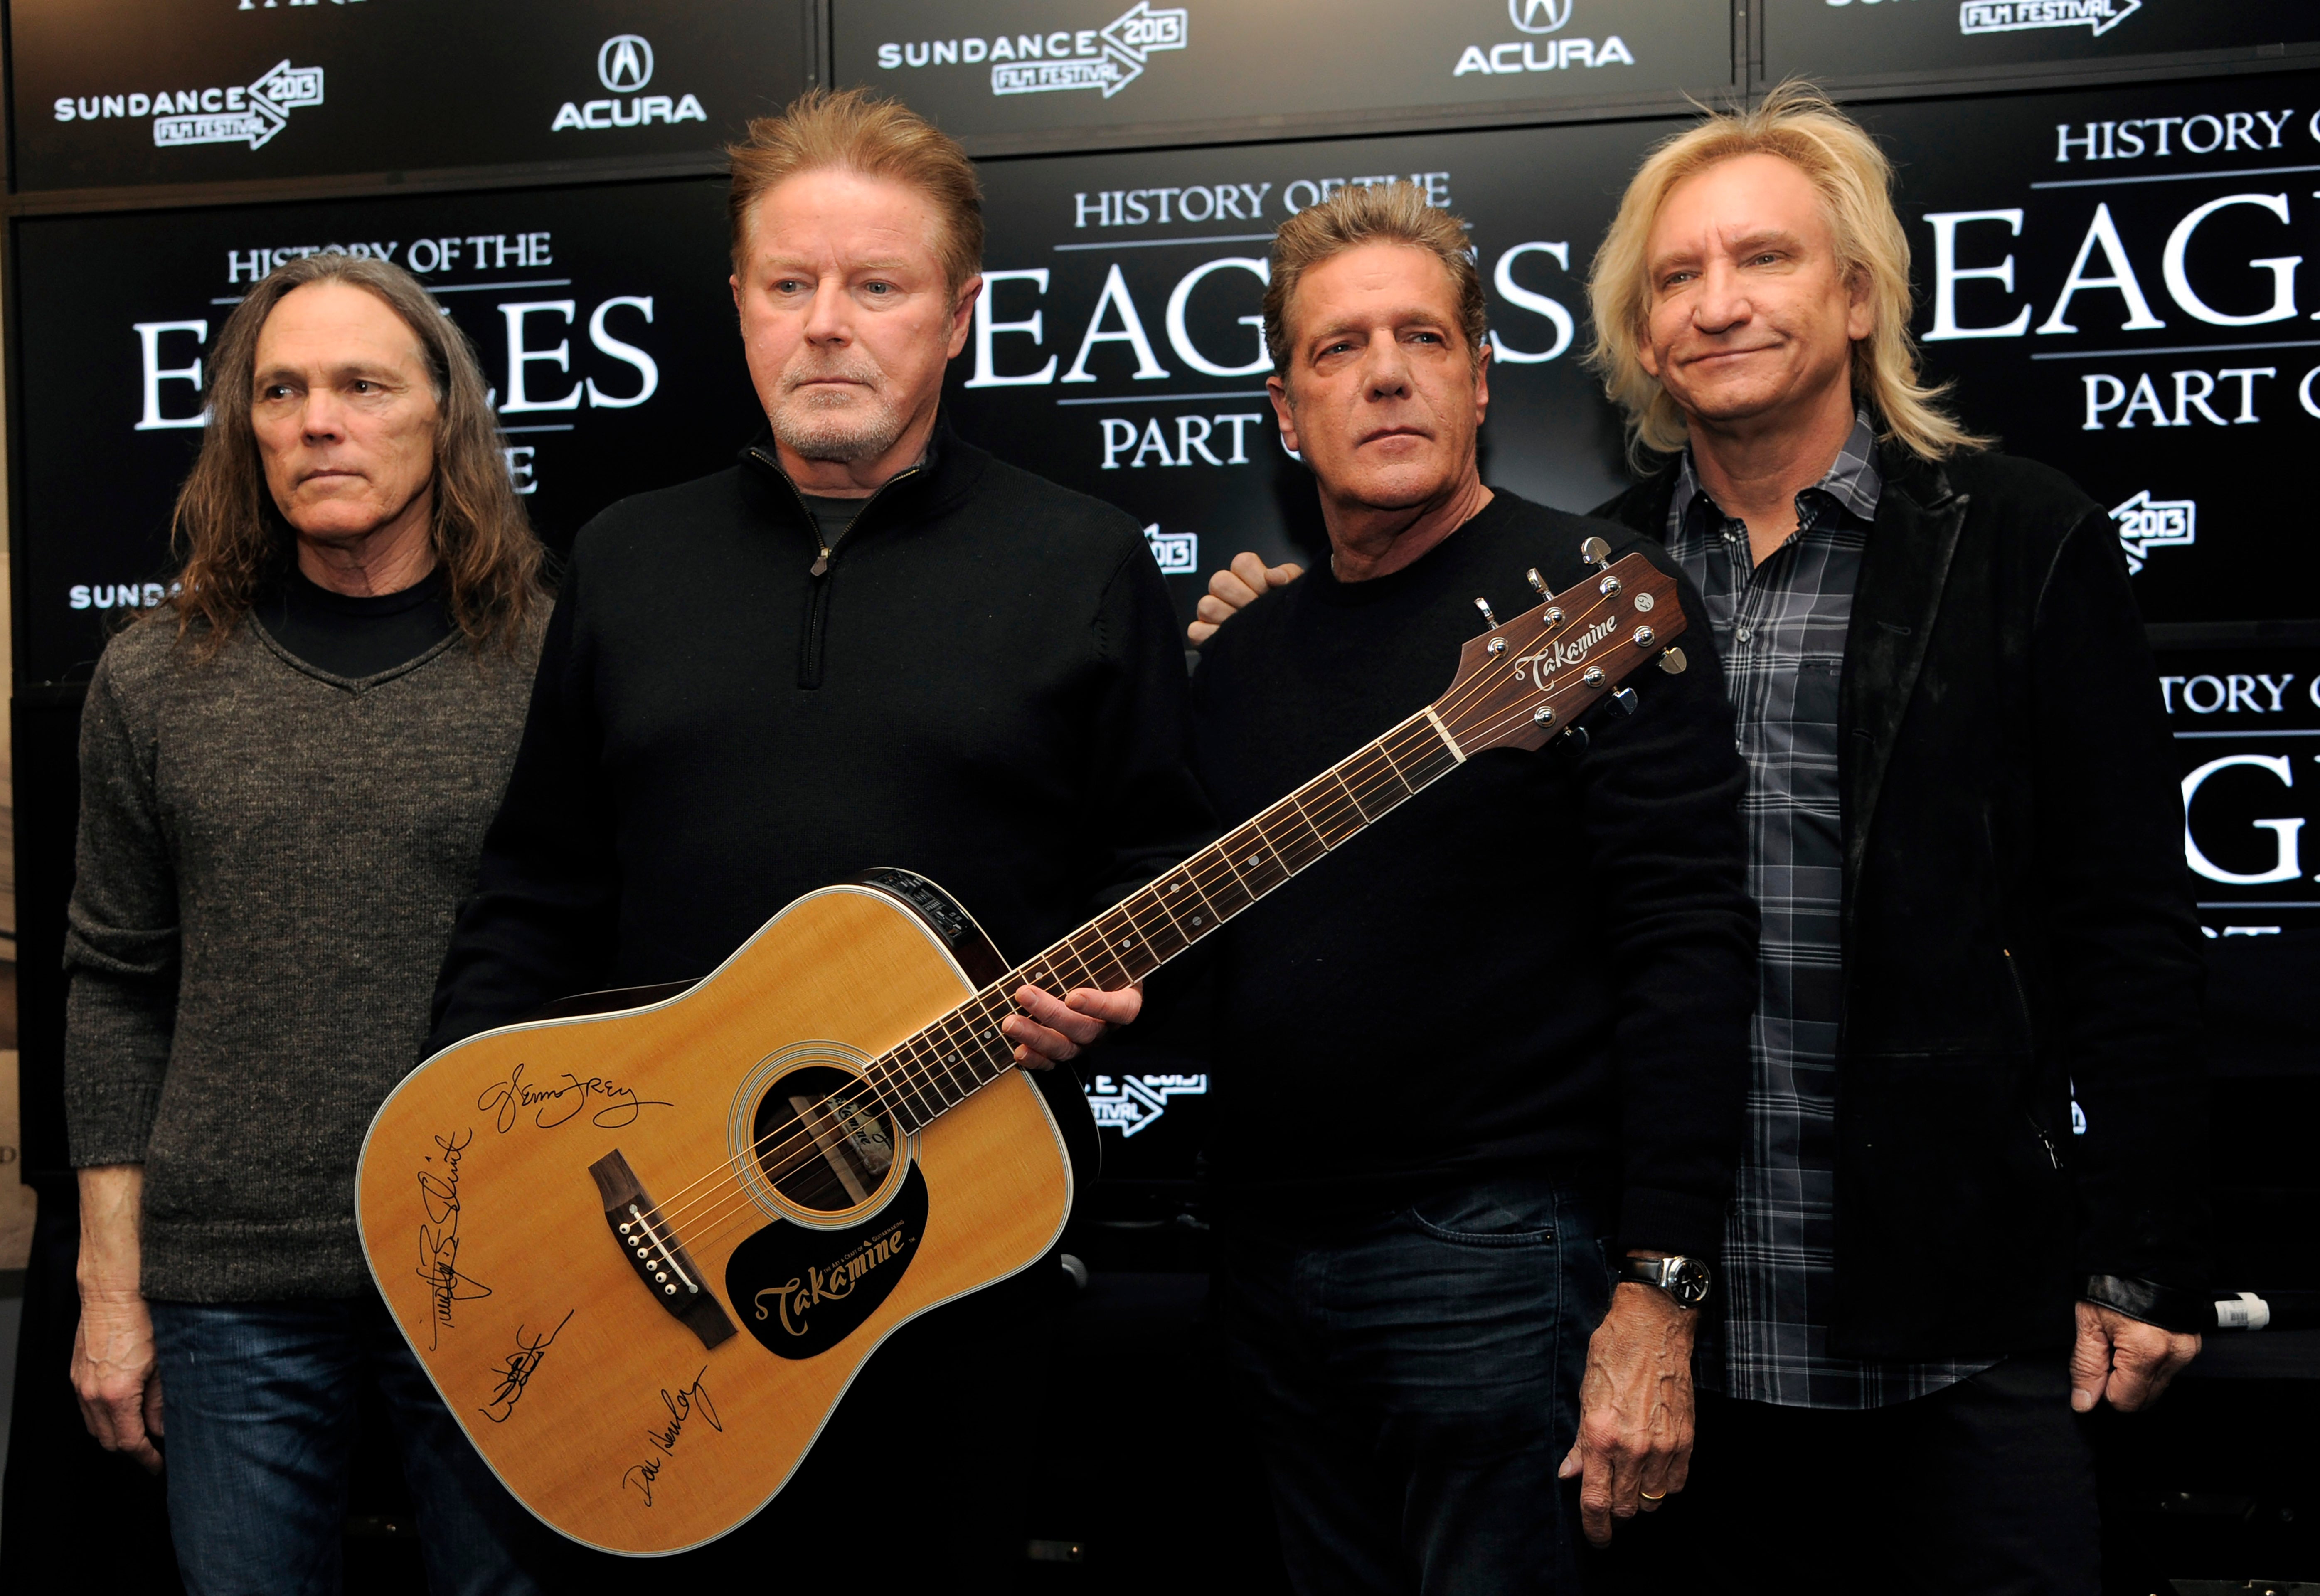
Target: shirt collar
x=1854, y=481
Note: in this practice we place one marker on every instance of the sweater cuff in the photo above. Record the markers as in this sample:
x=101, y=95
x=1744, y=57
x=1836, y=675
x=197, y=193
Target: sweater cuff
x=2171, y=1308
x=1653, y=1220
x=111, y=1125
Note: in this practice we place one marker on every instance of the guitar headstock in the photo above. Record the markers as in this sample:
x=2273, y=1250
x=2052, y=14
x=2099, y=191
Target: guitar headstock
x=1529, y=679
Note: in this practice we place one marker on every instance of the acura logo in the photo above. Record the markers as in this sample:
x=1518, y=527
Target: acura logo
x=1532, y=16
x=625, y=63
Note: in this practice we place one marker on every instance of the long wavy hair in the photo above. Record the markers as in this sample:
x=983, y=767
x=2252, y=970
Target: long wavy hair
x=1854, y=180
x=231, y=537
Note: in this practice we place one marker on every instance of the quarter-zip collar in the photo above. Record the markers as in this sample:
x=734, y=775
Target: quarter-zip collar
x=940, y=476
x=945, y=475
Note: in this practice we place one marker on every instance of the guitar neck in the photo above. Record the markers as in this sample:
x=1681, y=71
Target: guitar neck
x=943, y=1064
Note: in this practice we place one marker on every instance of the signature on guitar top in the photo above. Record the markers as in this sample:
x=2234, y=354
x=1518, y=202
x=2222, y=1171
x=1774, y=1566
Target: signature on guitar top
x=656, y=1241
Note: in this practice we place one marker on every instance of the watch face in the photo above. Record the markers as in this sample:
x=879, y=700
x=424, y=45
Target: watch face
x=1688, y=1282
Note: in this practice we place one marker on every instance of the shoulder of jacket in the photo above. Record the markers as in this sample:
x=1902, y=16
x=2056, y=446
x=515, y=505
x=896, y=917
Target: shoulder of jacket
x=2034, y=499
x=1632, y=505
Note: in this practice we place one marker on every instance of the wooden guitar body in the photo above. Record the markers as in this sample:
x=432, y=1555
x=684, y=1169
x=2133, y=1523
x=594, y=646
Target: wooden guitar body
x=643, y=1254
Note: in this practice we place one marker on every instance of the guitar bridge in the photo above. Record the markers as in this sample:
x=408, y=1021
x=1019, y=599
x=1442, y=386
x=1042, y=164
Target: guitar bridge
x=650, y=1245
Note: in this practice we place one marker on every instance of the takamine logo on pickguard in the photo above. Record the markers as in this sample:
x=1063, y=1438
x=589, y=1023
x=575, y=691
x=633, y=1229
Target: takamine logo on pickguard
x=801, y=1291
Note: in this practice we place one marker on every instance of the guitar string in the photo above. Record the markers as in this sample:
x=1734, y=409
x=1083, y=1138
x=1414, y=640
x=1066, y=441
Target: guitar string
x=928, y=1082
x=732, y=1215
x=801, y=1147
x=1213, y=874
x=1206, y=874
x=803, y=1142
x=1206, y=878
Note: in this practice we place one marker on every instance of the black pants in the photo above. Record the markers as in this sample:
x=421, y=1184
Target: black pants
x=1986, y=1488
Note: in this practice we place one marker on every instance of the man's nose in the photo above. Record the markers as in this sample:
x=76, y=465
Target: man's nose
x=1387, y=368
x=323, y=418
x=1722, y=302
x=825, y=318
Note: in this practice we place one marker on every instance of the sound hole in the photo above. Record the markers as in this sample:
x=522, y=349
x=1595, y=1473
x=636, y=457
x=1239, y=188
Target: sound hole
x=822, y=1139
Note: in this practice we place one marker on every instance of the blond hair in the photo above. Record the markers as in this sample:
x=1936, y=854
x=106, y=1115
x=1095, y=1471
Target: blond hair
x=856, y=132
x=1381, y=213
x=1800, y=125
x=232, y=534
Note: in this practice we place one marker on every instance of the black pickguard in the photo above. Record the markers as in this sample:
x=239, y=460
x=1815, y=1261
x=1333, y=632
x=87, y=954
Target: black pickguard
x=801, y=1291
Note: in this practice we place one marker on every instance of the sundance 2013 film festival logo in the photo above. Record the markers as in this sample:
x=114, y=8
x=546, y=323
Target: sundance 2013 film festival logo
x=1108, y=58
x=251, y=114
x=2019, y=16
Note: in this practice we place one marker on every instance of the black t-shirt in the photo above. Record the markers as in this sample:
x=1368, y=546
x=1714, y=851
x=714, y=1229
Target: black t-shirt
x=1544, y=962
x=356, y=637
x=832, y=517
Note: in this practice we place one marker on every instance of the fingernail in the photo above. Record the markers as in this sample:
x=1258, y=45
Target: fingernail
x=2082, y=1401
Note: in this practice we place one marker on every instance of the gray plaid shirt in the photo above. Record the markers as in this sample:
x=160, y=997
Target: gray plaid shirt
x=1780, y=629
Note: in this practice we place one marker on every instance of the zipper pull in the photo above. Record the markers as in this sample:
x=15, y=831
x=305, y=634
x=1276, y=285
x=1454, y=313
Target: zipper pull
x=821, y=565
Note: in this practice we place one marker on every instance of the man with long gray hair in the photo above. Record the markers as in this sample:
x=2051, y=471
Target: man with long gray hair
x=285, y=774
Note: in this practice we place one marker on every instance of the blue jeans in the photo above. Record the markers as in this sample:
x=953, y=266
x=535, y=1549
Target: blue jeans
x=259, y=1408
x=1414, y=1382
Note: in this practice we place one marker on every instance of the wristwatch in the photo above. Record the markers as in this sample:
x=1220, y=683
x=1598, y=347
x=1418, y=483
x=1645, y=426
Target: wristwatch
x=1687, y=1280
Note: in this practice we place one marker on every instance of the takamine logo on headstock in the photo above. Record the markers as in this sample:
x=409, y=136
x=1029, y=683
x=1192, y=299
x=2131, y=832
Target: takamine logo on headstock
x=1527, y=679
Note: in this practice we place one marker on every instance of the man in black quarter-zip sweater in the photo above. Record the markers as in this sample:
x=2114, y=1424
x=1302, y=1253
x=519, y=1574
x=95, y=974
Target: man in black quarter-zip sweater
x=866, y=644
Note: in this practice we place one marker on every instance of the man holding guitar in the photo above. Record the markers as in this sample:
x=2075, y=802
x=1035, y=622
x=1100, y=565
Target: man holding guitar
x=1480, y=1092
x=867, y=644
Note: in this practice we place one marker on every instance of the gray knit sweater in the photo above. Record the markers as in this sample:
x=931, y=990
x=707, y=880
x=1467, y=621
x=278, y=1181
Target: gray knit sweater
x=270, y=862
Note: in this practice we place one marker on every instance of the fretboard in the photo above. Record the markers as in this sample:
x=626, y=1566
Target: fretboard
x=945, y=1063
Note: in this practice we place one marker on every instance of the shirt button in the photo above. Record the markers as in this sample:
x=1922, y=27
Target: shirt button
x=1744, y=634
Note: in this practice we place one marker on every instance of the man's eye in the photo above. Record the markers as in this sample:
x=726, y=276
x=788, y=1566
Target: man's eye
x=787, y=286
x=363, y=386
x=1427, y=337
x=1766, y=258
x=878, y=288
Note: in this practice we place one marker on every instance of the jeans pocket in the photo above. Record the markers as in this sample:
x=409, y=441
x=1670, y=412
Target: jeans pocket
x=1486, y=1215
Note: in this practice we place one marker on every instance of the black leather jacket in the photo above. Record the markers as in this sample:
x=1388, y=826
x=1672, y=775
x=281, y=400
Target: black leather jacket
x=2018, y=928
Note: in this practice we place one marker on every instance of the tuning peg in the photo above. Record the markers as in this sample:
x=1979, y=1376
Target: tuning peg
x=1672, y=660
x=1624, y=700
x=1489, y=620
x=1596, y=552
x=1538, y=582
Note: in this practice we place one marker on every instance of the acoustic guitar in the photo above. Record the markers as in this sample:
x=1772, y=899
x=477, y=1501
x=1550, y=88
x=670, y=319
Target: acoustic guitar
x=642, y=1253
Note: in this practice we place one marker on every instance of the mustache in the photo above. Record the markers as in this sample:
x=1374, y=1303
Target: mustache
x=808, y=369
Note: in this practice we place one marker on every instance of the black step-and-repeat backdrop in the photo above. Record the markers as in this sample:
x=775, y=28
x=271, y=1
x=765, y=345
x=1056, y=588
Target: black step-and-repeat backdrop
x=1841, y=40
x=2120, y=277
x=138, y=92
x=1099, y=71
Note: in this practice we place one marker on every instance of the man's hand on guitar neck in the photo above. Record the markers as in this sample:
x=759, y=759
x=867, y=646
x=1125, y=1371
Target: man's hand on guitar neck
x=1051, y=1032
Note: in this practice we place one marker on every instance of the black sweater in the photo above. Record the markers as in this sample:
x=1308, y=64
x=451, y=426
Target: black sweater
x=984, y=685
x=1543, y=961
